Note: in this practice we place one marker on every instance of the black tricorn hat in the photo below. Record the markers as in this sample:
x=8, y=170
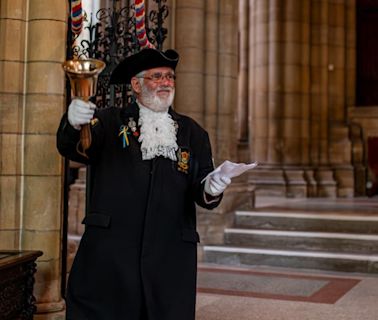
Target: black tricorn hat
x=143, y=60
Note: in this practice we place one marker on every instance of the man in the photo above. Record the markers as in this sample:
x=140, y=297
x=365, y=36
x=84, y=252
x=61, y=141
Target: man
x=149, y=166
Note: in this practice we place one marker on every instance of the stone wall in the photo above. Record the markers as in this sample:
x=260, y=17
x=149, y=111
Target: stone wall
x=32, y=48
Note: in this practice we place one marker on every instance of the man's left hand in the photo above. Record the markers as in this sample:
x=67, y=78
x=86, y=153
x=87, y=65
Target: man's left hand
x=216, y=184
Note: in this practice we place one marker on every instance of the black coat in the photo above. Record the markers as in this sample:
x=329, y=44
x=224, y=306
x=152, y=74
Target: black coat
x=139, y=249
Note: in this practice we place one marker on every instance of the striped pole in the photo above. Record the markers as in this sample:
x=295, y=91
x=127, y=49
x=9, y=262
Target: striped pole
x=140, y=25
x=76, y=16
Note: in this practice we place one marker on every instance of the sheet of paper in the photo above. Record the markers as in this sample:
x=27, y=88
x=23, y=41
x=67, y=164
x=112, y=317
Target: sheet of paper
x=232, y=169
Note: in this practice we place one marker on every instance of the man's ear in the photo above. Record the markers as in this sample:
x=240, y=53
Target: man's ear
x=135, y=84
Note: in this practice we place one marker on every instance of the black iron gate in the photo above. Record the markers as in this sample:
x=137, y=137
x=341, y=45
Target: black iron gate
x=111, y=37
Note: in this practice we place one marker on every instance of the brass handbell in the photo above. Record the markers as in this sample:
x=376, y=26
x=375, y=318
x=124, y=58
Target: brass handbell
x=83, y=76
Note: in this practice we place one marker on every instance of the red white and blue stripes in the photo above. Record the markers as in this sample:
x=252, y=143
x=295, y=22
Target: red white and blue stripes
x=76, y=16
x=140, y=25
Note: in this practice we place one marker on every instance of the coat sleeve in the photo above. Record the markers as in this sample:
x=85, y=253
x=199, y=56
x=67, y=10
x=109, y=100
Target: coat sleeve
x=68, y=141
x=205, y=166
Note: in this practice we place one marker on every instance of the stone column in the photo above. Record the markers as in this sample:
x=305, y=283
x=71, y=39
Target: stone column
x=319, y=154
x=211, y=45
x=242, y=111
x=33, y=38
x=12, y=72
x=227, y=80
x=206, y=38
x=189, y=42
x=297, y=97
x=357, y=138
x=265, y=86
x=242, y=115
x=340, y=147
x=295, y=61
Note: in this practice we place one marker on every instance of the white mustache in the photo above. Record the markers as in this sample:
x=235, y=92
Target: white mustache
x=164, y=88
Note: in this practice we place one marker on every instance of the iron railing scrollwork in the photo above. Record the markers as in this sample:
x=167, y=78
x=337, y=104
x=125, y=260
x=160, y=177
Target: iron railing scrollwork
x=110, y=36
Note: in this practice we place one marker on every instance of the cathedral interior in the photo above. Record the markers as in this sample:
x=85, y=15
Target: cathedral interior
x=291, y=84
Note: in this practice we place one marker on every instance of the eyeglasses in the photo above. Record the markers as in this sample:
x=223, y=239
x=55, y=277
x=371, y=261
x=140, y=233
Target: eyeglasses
x=159, y=76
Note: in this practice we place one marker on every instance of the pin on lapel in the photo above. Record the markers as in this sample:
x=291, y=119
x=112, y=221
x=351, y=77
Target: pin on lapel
x=133, y=127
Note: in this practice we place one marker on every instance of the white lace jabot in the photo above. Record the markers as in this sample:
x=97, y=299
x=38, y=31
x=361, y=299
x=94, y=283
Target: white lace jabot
x=157, y=134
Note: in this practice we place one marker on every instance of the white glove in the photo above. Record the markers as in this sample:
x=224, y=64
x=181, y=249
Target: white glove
x=80, y=112
x=215, y=184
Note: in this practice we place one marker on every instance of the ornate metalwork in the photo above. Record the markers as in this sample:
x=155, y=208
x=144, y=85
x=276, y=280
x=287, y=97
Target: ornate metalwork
x=157, y=34
x=110, y=35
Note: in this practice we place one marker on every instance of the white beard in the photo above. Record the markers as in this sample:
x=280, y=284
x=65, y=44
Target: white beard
x=152, y=101
x=157, y=134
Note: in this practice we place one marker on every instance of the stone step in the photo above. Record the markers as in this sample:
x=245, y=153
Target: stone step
x=325, y=222
x=331, y=261
x=299, y=240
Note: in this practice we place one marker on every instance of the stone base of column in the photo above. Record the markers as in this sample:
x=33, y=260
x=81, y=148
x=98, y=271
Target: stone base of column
x=345, y=181
x=296, y=183
x=326, y=184
x=309, y=176
x=268, y=181
x=51, y=311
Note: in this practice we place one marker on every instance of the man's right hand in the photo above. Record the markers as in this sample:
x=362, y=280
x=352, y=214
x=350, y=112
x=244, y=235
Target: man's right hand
x=80, y=112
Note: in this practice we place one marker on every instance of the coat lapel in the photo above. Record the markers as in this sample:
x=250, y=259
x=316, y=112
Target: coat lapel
x=129, y=115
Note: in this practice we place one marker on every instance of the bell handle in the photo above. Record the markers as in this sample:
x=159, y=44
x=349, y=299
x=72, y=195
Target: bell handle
x=85, y=136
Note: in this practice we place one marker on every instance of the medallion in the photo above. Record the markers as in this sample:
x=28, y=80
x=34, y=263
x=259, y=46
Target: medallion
x=183, y=157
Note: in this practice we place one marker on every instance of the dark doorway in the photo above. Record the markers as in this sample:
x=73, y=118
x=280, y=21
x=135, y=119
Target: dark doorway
x=367, y=53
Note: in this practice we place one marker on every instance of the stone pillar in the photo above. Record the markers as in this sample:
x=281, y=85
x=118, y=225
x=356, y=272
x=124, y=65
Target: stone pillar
x=189, y=42
x=297, y=98
x=357, y=138
x=211, y=71
x=320, y=129
x=227, y=80
x=340, y=144
x=32, y=48
x=258, y=79
x=264, y=92
x=295, y=61
x=206, y=38
x=242, y=111
x=242, y=115
x=12, y=42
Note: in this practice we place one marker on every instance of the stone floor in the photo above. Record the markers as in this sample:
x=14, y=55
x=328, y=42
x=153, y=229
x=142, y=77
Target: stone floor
x=280, y=294
x=266, y=293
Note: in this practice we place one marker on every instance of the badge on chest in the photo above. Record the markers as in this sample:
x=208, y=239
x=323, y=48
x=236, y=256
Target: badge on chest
x=126, y=130
x=183, y=160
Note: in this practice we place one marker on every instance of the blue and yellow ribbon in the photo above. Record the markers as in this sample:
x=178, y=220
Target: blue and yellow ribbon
x=124, y=131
